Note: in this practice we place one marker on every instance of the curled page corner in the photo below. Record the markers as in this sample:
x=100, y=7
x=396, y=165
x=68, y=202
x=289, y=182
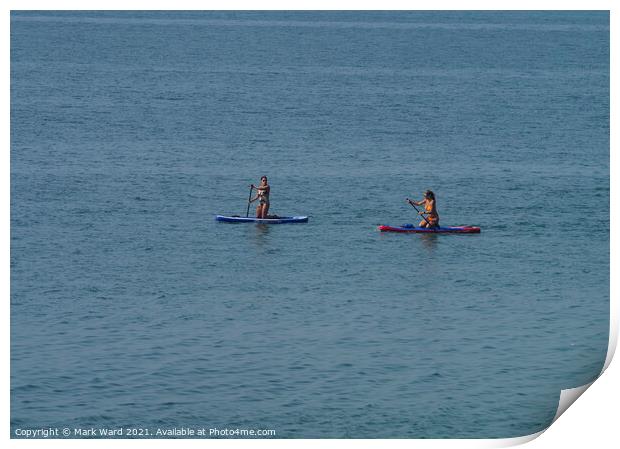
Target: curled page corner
x=568, y=397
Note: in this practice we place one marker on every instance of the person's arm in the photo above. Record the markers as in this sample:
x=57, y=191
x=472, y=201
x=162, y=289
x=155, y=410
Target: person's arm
x=415, y=203
x=433, y=211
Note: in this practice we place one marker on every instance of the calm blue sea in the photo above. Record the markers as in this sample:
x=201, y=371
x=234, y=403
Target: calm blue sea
x=131, y=307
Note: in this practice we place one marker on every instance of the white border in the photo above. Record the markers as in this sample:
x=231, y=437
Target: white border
x=590, y=423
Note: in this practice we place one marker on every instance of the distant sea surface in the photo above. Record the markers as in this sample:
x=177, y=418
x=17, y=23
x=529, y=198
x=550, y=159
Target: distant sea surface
x=132, y=307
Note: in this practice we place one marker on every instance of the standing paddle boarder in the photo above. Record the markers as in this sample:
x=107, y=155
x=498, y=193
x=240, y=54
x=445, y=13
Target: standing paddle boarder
x=429, y=214
x=262, y=194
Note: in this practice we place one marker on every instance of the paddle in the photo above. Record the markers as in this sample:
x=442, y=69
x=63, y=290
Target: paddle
x=247, y=214
x=418, y=210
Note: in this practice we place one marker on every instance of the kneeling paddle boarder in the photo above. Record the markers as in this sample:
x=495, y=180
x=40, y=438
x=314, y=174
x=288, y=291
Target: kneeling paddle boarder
x=429, y=214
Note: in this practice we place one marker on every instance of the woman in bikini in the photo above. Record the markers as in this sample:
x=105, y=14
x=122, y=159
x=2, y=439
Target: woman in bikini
x=430, y=210
x=262, y=195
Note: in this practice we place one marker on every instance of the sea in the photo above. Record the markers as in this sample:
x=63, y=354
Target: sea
x=133, y=309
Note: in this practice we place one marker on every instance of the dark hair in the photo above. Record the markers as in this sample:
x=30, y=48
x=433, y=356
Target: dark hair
x=263, y=177
x=430, y=194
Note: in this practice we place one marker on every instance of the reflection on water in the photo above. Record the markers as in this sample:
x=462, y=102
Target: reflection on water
x=261, y=233
x=429, y=242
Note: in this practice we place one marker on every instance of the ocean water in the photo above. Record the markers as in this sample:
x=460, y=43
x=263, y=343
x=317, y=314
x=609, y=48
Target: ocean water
x=131, y=307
